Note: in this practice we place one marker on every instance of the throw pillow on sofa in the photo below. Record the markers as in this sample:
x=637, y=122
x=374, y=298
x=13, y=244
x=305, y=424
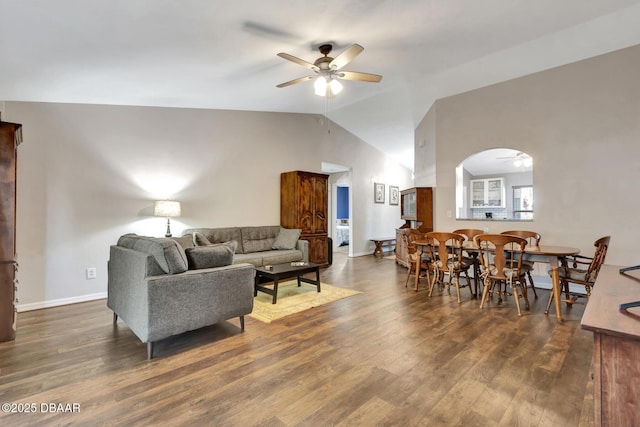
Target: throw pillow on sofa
x=185, y=241
x=287, y=238
x=167, y=252
x=210, y=256
x=200, y=239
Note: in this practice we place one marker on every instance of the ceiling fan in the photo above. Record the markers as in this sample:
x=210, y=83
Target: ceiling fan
x=520, y=159
x=328, y=70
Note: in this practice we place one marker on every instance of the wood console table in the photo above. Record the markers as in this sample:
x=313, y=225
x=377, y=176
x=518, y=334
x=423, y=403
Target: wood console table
x=380, y=242
x=616, y=352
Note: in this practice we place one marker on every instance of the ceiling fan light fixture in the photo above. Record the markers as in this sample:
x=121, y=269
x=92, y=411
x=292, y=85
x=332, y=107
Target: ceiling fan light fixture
x=328, y=70
x=523, y=159
x=335, y=86
x=320, y=86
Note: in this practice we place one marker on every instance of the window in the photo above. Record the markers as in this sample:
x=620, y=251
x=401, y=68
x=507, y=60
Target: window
x=523, y=202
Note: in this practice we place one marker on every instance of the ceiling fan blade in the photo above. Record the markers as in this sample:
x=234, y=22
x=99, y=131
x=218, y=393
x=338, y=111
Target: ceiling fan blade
x=346, y=56
x=295, y=81
x=358, y=76
x=298, y=61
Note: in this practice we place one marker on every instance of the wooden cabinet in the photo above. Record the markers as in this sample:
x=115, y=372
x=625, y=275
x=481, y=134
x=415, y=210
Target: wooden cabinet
x=416, y=209
x=304, y=205
x=616, y=349
x=10, y=136
x=487, y=193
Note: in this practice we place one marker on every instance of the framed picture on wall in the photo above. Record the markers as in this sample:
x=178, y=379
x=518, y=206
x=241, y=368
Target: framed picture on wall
x=394, y=195
x=378, y=192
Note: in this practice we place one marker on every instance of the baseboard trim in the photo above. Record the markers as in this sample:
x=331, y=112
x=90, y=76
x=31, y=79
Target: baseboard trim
x=59, y=302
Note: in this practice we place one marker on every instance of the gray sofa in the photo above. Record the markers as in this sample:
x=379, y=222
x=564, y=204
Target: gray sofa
x=255, y=245
x=151, y=287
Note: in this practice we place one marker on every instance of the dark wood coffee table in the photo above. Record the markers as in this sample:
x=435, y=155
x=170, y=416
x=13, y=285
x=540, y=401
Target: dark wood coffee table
x=284, y=271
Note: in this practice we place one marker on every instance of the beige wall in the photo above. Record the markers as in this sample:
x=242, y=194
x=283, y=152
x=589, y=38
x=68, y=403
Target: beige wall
x=88, y=174
x=581, y=124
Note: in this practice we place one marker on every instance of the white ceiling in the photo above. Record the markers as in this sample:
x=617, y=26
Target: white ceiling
x=222, y=54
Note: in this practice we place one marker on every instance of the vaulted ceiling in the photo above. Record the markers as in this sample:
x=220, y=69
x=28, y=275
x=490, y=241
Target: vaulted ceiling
x=222, y=54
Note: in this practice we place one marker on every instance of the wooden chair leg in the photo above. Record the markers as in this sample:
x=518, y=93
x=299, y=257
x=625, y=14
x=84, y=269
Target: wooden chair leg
x=523, y=286
x=433, y=282
x=428, y=275
x=457, y=282
x=412, y=268
x=567, y=295
x=549, y=302
x=532, y=285
x=115, y=318
x=517, y=297
x=466, y=274
x=242, y=323
x=477, y=276
x=150, y=350
x=488, y=284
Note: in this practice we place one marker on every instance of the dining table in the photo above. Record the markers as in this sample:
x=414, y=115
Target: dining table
x=549, y=254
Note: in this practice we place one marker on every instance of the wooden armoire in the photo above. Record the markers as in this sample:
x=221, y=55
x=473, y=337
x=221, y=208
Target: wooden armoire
x=304, y=205
x=10, y=137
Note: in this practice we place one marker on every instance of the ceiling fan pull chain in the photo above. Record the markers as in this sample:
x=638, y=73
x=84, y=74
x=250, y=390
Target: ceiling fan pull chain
x=327, y=109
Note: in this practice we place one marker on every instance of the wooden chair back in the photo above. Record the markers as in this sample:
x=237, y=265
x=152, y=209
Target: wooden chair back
x=532, y=238
x=501, y=255
x=602, y=245
x=469, y=233
x=409, y=237
x=446, y=250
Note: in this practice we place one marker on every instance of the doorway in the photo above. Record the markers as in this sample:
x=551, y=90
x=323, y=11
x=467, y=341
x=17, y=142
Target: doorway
x=340, y=212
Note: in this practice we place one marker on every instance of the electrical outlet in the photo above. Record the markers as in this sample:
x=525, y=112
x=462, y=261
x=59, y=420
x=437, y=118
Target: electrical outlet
x=91, y=273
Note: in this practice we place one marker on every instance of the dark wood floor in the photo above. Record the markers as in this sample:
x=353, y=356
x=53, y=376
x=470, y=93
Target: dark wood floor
x=388, y=356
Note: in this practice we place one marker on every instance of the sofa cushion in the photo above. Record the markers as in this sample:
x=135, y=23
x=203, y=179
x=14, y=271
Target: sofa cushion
x=252, y=258
x=281, y=256
x=258, y=239
x=167, y=252
x=210, y=256
x=185, y=241
x=287, y=238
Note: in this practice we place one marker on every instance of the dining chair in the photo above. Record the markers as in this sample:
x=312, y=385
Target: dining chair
x=533, y=240
x=471, y=257
x=501, y=262
x=446, y=253
x=417, y=258
x=583, y=271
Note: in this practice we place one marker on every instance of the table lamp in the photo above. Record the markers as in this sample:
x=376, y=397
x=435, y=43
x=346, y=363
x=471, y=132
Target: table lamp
x=168, y=209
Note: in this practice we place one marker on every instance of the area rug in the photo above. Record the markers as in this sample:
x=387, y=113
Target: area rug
x=293, y=299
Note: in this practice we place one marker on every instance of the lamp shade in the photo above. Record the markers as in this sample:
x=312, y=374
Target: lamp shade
x=167, y=209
